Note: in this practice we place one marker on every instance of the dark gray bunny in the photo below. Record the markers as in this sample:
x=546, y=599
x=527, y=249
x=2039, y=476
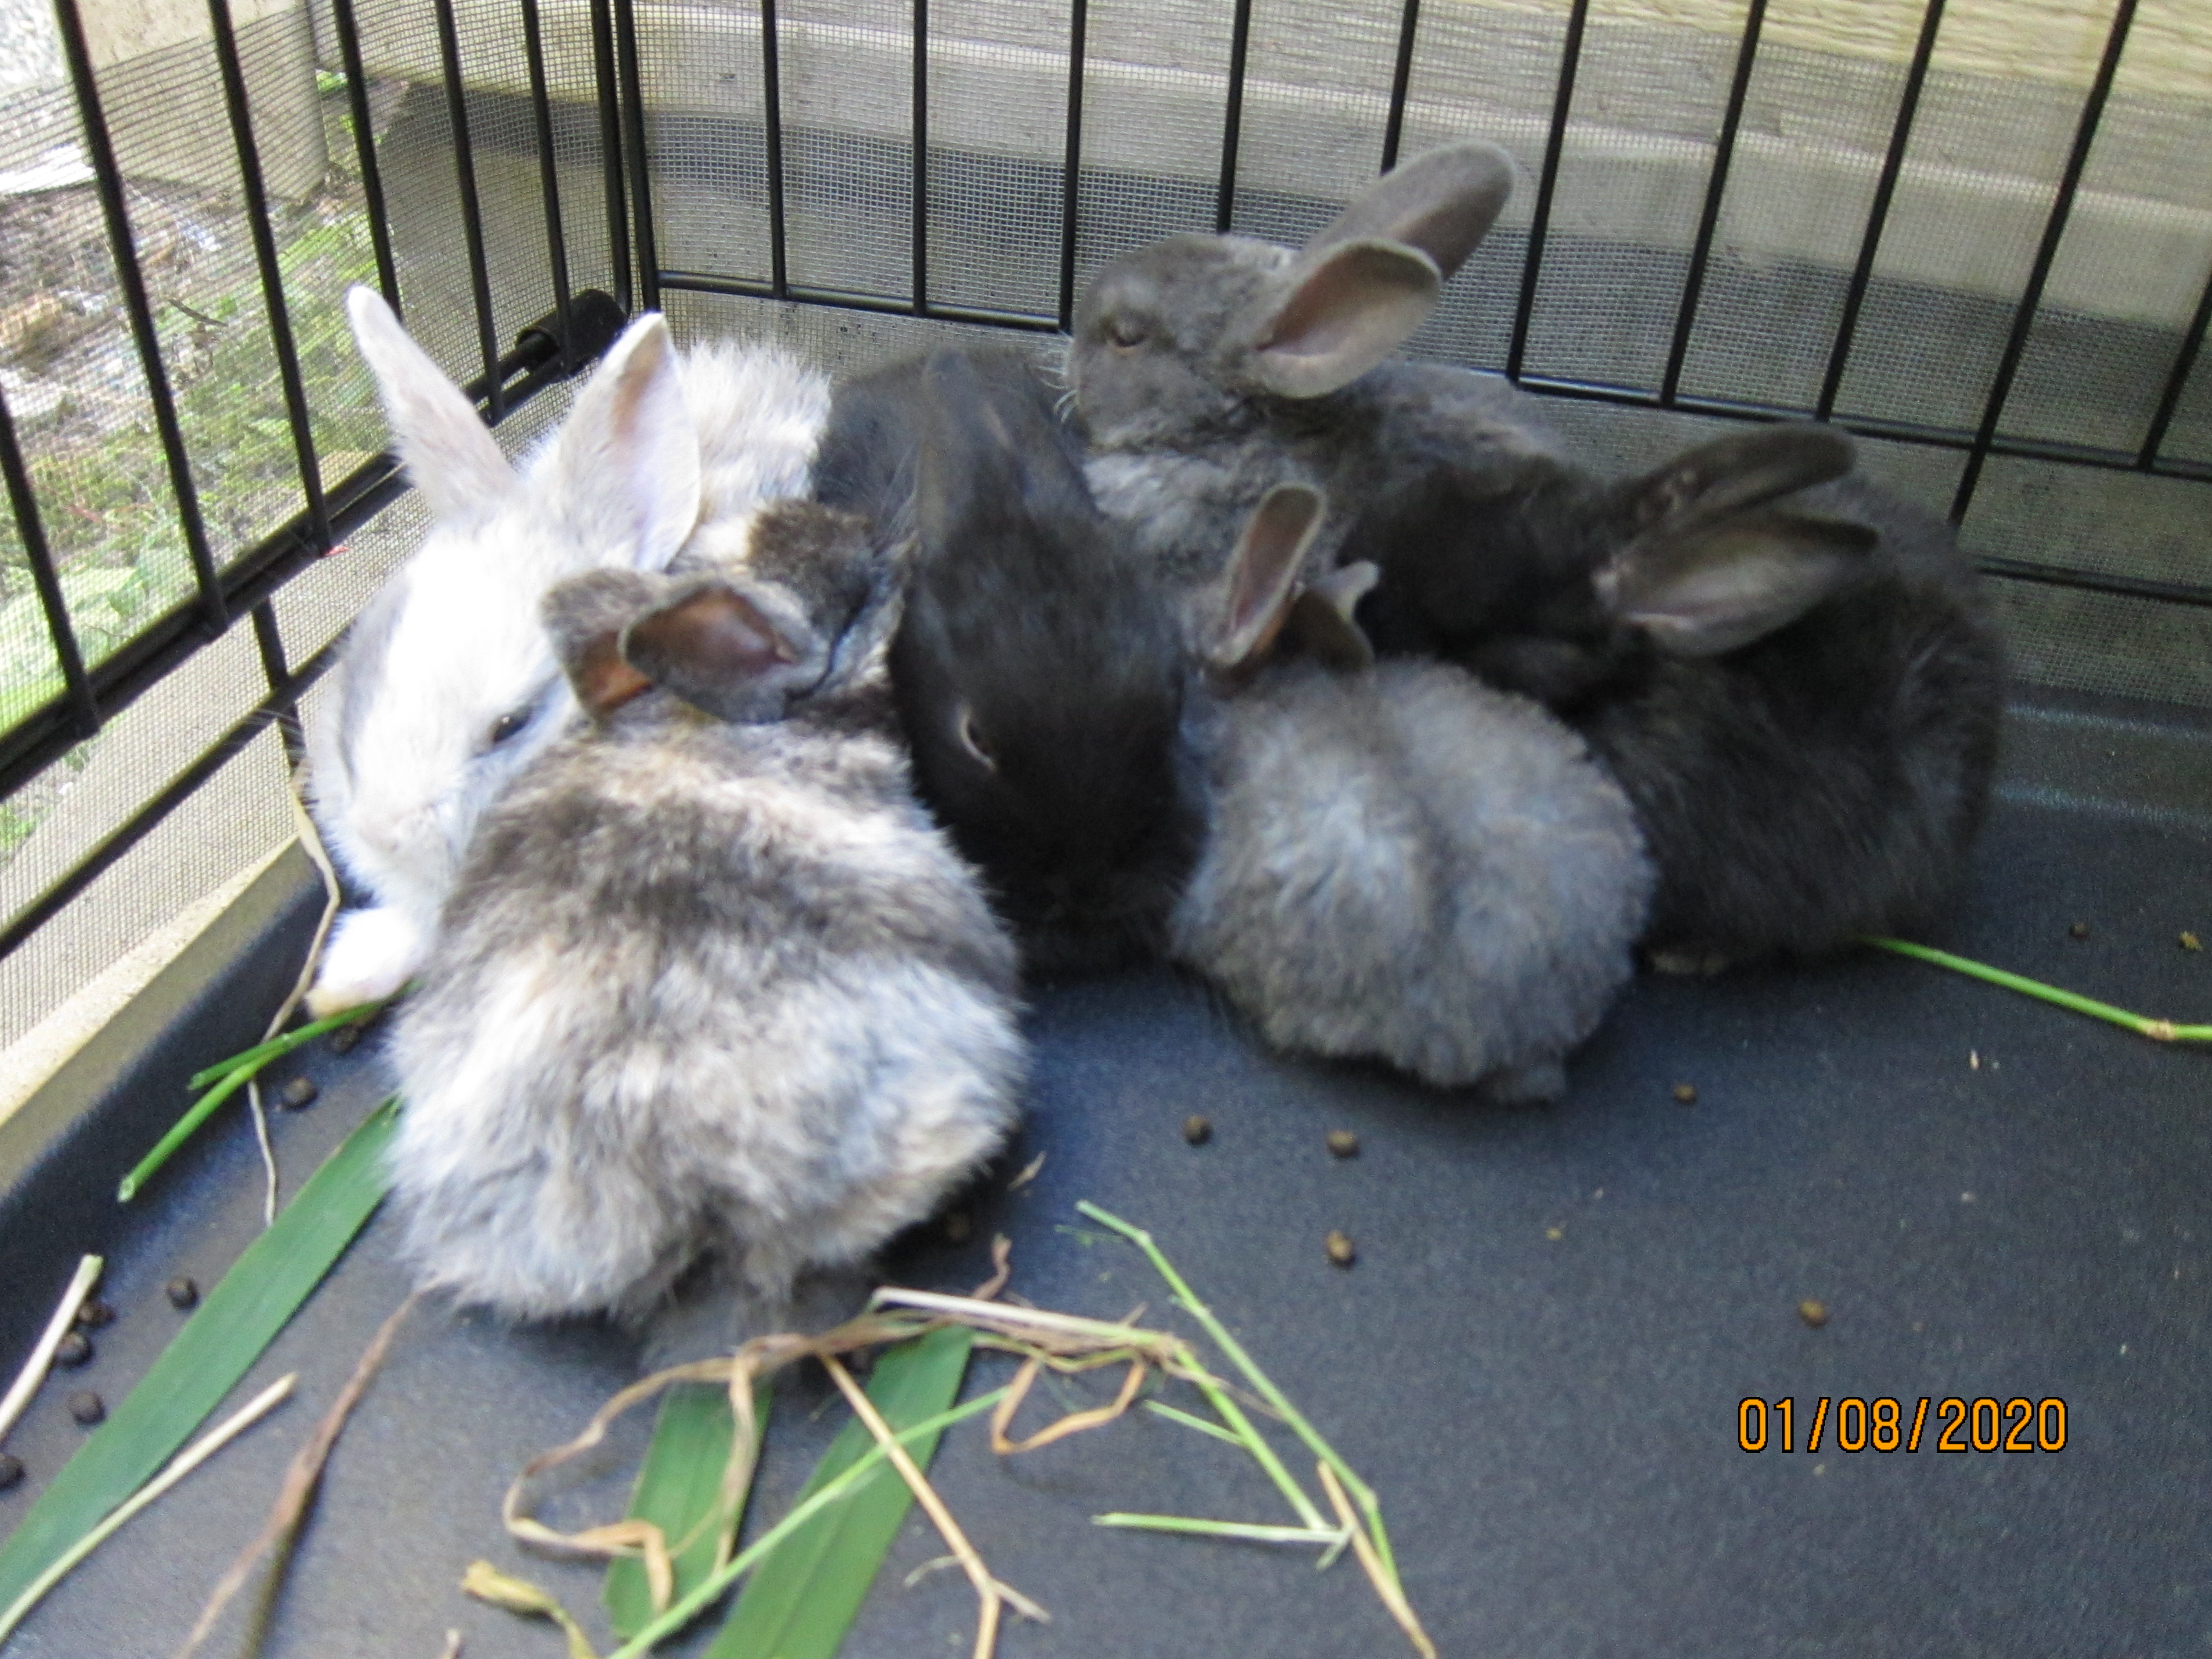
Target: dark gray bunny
x=1038, y=671
x=1400, y=863
x=710, y=981
x=1208, y=369
x=1792, y=672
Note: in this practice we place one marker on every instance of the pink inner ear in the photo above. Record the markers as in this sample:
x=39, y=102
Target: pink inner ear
x=1355, y=307
x=604, y=681
x=713, y=637
x=1263, y=578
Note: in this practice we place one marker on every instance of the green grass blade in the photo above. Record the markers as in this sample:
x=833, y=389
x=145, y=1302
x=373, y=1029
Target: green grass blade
x=261, y=1053
x=691, y=1606
x=2158, y=1030
x=802, y=1598
x=206, y=1358
x=677, y=1486
x=180, y=1132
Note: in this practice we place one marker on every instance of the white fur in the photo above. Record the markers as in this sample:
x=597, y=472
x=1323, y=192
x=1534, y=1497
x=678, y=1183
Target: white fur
x=661, y=450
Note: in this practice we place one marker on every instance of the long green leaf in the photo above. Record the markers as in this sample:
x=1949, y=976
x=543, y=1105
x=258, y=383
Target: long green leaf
x=801, y=1600
x=205, y=1359
x=678, y=1487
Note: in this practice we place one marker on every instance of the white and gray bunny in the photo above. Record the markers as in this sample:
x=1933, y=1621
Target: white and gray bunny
x=710, y=982
x=1400, y=863
x=447, y=687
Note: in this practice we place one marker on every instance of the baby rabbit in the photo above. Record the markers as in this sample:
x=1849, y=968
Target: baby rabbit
x=709, y=979
x=1208, y=369
x=1038, y=670
x=1400, y=863
x=1801, y=695
x=447, y=686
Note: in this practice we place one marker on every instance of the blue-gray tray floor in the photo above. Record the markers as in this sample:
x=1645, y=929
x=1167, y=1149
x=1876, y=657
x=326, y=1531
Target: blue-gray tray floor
x=1537, y=1360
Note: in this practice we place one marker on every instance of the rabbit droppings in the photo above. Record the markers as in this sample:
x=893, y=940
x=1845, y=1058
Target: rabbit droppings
x=1400, y=863
x=446, y=687
x=710, y=981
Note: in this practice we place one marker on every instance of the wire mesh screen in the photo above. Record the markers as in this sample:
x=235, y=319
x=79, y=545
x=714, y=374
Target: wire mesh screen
x=1979, y=236
x=192, y=449
x=1976, y=233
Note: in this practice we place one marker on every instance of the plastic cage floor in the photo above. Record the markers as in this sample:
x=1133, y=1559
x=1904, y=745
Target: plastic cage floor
x=1537, y=1360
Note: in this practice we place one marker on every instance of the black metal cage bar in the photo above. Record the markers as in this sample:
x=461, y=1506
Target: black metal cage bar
x=214, y=612
x=1548, y=184
x=585, y=319
x=549, y=170
x=2054, y=232
x=1401, y=83
x=1232, y=115
x=1071, y=164
x=84, y=708
x=1708, y=218
x=1885, y=191
x=918, y=128
x=464, y=179
x=779, y=267
x=272, y=276
x=632, y=101
x=347, y=29
x=2177, y=382
x=613, y=185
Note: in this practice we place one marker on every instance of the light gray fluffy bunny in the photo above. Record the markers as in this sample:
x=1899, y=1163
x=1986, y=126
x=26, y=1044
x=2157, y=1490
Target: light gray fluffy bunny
x=710, y=982
x=1206, y=370
x=1400, y=863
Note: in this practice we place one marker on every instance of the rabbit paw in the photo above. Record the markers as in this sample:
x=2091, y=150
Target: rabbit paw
x=370, y=954
x=1537, y=1083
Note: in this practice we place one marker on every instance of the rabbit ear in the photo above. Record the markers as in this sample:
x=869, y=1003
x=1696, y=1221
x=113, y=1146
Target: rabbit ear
x=626, y=466
x=1443, y=202
x=1746, y=470
x=1321, y=616
x=449, y=454
x=585, y=617
x=1373, y=275
x=1263, y=574
x=1338, y=312
x=1720, y=586
x=708, y=645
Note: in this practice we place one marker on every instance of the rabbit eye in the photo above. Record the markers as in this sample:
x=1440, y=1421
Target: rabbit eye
x=1126, y=331
x=972, y=741
x=507, y=726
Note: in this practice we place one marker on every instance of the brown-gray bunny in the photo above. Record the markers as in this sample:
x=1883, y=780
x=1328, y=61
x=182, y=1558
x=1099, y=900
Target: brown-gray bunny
x=1792, y=672
x=1400, y=863
x=710, y=981
x=1206, y=370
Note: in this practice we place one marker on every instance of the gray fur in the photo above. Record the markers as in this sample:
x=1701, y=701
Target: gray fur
x=1794, y=674
x=703, y=988
x=1405, y=865
x=1400, y=863
x=1169, y=373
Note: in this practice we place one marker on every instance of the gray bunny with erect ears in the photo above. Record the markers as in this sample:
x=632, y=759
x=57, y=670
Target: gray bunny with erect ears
x=710, y=984
x=1400, y=863
x=1206, y=370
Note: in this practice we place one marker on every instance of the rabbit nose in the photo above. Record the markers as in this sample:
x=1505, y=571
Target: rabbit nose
x=391, y=833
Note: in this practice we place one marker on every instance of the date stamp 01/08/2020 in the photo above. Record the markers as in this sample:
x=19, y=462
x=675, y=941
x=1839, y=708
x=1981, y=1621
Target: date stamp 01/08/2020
x=1851, y=1424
